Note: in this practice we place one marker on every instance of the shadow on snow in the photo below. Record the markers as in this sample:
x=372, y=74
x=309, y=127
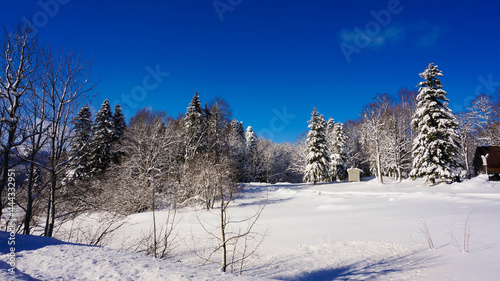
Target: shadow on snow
x=366, y=270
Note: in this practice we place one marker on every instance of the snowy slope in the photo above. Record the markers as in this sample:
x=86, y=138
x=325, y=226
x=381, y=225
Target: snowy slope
x=338, y=231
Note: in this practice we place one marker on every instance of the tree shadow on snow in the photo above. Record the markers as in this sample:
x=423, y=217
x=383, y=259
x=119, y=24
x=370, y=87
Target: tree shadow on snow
x=263, y=202
x=16, y=275
x=27, y=242
x=367, y=270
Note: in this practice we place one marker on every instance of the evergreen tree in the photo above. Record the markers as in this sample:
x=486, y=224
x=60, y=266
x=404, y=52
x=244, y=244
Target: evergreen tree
x=193, y=130
x=238, y=130
x=330, y=130
x=119, y=124
x=80, y=146
x=102, y=139
x=331, y=142
x=338, y=155
x=435, y=149
x=119, y=127
x=251, y=151
x=317, y=159
x=214, y=130
x=237, y=144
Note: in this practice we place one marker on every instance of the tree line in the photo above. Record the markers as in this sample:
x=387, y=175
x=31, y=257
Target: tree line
x=68, y=163
x=412, y=135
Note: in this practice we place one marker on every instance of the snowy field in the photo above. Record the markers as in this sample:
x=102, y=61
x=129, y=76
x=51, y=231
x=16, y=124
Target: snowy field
x=339, y=231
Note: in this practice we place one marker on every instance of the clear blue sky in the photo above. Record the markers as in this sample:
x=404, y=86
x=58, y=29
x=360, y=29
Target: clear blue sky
x=273, y=61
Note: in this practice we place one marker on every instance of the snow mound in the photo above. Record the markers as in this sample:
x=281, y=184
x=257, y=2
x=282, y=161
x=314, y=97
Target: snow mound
x=41, y=258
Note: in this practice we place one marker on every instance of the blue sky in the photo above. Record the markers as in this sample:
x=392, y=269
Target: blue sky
x=273, y=61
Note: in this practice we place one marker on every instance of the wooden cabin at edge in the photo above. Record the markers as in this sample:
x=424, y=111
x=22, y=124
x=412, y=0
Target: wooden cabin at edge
x=487, y=161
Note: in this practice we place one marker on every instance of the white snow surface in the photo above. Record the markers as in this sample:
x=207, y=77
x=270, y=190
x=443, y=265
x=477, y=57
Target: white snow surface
x=336, y=231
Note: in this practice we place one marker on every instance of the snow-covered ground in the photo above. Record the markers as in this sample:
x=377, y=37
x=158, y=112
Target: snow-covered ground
x=339, y=231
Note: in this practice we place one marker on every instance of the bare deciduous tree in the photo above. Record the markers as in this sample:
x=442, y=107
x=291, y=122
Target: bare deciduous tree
x=66, y=83
x=374, y=119
x=484, y=112
x=18, y=64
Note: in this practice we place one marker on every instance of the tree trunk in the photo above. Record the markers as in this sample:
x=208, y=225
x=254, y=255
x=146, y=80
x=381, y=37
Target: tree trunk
x=51, y=208
x=29, y=204
x=5, y=162
x=379, y=163
x=399, y=173
x=466, y=155
x=154, y=223
x=223, y=229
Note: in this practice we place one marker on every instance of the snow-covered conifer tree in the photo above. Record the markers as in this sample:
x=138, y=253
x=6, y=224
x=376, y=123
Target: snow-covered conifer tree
x=331, y=142
x=102, y=139
x=338, y=155
x=251, y=148
x=237, y=143
x=80, y=145
x=119, y=124
x=193, y=127
x=318, y=160
x=238, y=129
x=251, y=139
x=435, y=148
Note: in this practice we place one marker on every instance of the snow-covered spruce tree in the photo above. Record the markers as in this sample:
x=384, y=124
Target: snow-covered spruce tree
x=251, y=152
x=237, y=144
x=119, y=123
x=331, y=142
x=102, y=139
x=193, y=130
x=435, y=149
x=119, y=126
x=338, y=161
x=318, y=160
x=79, y=168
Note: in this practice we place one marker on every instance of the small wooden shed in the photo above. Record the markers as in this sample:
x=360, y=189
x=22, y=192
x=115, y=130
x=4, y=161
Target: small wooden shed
x=487, y=160
x=354, y=174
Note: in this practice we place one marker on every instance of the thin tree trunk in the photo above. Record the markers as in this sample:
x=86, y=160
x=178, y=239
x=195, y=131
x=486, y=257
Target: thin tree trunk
x=5, y=162
x=29, y=204
x=466, y=155
x=154, y=223
x=223, y=230
x=51, y=208
x=379, y=162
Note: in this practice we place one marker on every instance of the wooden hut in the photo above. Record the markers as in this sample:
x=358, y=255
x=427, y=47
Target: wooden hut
x=487, y=160
x=354, y=174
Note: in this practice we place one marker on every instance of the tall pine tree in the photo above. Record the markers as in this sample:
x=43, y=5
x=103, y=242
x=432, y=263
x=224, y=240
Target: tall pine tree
x=80, y=146
x=119, y=123
x=251, y=152
x=193, y=130
x=338, y=155
x=119, y=126
x=317, y=159
x=102, y=139
x=435, y=149
x=237, y=144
